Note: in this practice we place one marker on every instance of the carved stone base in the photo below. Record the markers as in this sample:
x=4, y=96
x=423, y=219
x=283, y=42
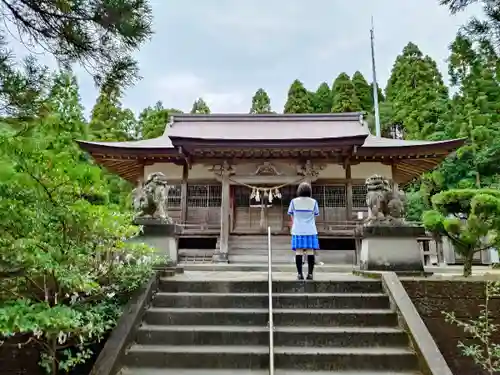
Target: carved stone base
x=220, y=257
x=160, y=235
x=391, y=248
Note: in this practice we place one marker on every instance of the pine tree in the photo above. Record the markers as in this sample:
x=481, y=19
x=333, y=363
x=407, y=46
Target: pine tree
x=344, y=95
x=200, y=107
x=486, y=28
x=99, y=34
x=475, y=113
x=363, y=91
x=299, y=99
x=322, y=99
x=261, y=103
x=153, y=120
x=417, y=94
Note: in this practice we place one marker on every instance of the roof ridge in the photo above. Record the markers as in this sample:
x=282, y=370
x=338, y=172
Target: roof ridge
x=244, y=117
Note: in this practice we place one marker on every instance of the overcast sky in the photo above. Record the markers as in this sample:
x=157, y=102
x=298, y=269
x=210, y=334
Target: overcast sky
x=224, y=50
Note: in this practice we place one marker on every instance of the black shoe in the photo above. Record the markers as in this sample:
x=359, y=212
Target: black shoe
x=300, y=277
x=309, y=277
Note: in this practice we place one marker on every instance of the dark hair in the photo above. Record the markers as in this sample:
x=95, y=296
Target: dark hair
x=304, y=190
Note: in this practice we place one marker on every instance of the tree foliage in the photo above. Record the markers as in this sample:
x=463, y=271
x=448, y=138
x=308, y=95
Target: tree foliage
x=472, y=113
x=416, y=93
x=153, y=120
x=322, y=99
x=381, y=96
x=470, y=218
x=344, y=96
x=100, y=35
x=200, y=107
x=109, y=121
x=363, y=91
x=65, y=270
x=298, y=99
x=22, y=89
x=261, y=103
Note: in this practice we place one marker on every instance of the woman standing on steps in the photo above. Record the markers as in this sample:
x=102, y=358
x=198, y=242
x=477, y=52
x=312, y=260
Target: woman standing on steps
x=303, y=210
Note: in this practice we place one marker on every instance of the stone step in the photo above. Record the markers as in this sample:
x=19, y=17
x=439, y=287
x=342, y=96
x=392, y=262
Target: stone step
x=260, y=251
x=282, y=317
x=257, y=357
x=280, y=300
x=283, y=336
x=221, y=286
x=262, y=266
x=161, y=371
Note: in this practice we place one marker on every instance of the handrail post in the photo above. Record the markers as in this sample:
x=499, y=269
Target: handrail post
x=270, y=297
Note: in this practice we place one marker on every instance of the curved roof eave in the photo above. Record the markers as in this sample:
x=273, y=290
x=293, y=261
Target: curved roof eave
x=159, y=145
x=389, y=146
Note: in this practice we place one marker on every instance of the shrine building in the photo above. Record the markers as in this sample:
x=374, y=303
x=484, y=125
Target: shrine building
x=232, y=175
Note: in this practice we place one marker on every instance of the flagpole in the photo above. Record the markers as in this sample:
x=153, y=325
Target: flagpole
x=375, y=85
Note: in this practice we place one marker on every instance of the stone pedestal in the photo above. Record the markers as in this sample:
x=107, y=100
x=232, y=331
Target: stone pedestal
x=220, y=257
x=162, y=235
x=391, y=248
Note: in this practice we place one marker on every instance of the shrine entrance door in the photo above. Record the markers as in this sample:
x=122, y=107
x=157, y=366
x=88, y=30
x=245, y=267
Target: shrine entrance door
x=251, y=216
x=246, y=219
x=277, y=214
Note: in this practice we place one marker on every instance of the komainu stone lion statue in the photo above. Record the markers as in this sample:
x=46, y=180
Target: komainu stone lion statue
x=151, y=199
x=384, y=205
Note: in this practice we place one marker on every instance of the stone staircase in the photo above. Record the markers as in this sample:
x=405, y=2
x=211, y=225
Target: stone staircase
x=253, y=249
x=220, y=327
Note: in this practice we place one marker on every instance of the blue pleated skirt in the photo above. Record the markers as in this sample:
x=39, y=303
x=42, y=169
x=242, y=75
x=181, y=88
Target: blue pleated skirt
x=305, y=242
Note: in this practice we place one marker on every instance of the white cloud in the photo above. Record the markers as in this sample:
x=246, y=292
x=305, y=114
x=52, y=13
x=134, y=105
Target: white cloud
x=182, y=89
x=223, y=50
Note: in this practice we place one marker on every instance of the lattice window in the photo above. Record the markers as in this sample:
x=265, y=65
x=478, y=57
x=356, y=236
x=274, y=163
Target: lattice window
x=330, y=195
x=174, y=196
x=359, y=196
x=204, y=196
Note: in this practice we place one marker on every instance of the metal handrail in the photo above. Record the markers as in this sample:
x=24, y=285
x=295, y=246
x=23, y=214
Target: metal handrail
x=270, y=297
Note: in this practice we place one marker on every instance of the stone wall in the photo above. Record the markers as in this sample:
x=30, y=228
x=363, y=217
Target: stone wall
x=464, y=298
x=24, y=360
x=15, y=360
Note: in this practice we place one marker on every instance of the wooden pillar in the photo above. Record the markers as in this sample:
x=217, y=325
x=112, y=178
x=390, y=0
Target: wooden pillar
x=348, y=188
x=142, y=170
x=221, y=255
x=395, y=185
x=184, y=192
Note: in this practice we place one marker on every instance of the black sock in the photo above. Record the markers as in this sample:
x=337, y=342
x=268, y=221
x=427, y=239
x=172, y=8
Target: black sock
x=298, y=263
x=310, y=264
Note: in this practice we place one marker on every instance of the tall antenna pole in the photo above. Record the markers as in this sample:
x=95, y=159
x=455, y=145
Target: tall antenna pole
x=375, y=85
